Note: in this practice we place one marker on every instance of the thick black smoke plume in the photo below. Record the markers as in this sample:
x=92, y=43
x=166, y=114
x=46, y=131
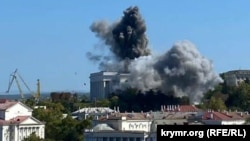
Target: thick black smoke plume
x=127, y=39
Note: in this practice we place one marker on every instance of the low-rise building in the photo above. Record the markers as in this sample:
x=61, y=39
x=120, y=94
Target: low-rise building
x=132, y=126
x=88, y=112
x=224, y=118
x=17, y=122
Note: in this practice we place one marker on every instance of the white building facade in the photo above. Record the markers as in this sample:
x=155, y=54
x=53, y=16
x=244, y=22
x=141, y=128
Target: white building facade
x=120, y=129
x=103, y=83
x=132, y=126
x=17, y=123
x=235, y=77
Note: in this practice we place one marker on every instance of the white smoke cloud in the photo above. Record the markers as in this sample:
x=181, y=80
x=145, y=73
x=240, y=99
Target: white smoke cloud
x=182, y=70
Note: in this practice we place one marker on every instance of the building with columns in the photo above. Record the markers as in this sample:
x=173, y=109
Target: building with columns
x=103, y=83
x=17, y=122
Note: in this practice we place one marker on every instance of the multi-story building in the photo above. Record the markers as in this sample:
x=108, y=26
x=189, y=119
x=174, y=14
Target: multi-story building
x=17, y=122
x=234, y=77
x=103, y=83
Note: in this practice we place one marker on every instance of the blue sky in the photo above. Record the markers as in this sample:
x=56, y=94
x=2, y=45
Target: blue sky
x=48, y=39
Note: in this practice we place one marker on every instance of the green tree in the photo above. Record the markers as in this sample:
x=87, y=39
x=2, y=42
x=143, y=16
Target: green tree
x=240, y=97
x=52, y=116
x=114, y=101
x=103, y=103
x=33, y=137
x=216, y=104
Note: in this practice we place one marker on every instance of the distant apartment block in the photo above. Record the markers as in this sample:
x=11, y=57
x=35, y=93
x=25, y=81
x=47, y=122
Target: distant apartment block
x=234, y=77
x=103, y=83
x=17, y=122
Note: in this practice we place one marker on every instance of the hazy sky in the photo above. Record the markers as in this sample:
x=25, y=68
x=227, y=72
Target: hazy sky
x=48, y=39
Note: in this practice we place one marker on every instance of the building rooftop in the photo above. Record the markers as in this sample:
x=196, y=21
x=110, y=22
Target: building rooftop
x=16, y=120
x=5, y=104
x=224, y=116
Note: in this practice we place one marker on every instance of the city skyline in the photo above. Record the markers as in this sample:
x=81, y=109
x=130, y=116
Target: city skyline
x=48, y=40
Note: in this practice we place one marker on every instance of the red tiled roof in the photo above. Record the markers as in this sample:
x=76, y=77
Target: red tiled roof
x=3, y=100
x=220, y=116
x=7, y=104
x=16, y=120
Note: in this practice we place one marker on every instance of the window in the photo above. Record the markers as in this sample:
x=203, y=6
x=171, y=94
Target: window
x=118, y=139
x=137, y=139
x=124, y=139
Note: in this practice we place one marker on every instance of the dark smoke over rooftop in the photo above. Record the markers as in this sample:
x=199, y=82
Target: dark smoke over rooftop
x=182, y=70
x=126, y=38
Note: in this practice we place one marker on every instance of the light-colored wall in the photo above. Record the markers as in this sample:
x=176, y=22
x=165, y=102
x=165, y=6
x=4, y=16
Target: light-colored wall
x=17, y=110
x=135, y=125
x=103, y=83
x=233, y=122
x=20, y=131
x=224, y=122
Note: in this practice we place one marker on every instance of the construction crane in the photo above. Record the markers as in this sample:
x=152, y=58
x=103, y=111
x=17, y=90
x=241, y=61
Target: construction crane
x=15, y=76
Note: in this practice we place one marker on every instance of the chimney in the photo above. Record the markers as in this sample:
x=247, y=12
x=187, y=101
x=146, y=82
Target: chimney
x=241, y=114
x=118, y=109
x=168, y=108
x=211, y=115
x=162, y=108
x=179, y=109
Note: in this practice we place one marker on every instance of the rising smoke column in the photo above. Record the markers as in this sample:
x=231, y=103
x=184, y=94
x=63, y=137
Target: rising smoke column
x=182, y=70
x=126, y=38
